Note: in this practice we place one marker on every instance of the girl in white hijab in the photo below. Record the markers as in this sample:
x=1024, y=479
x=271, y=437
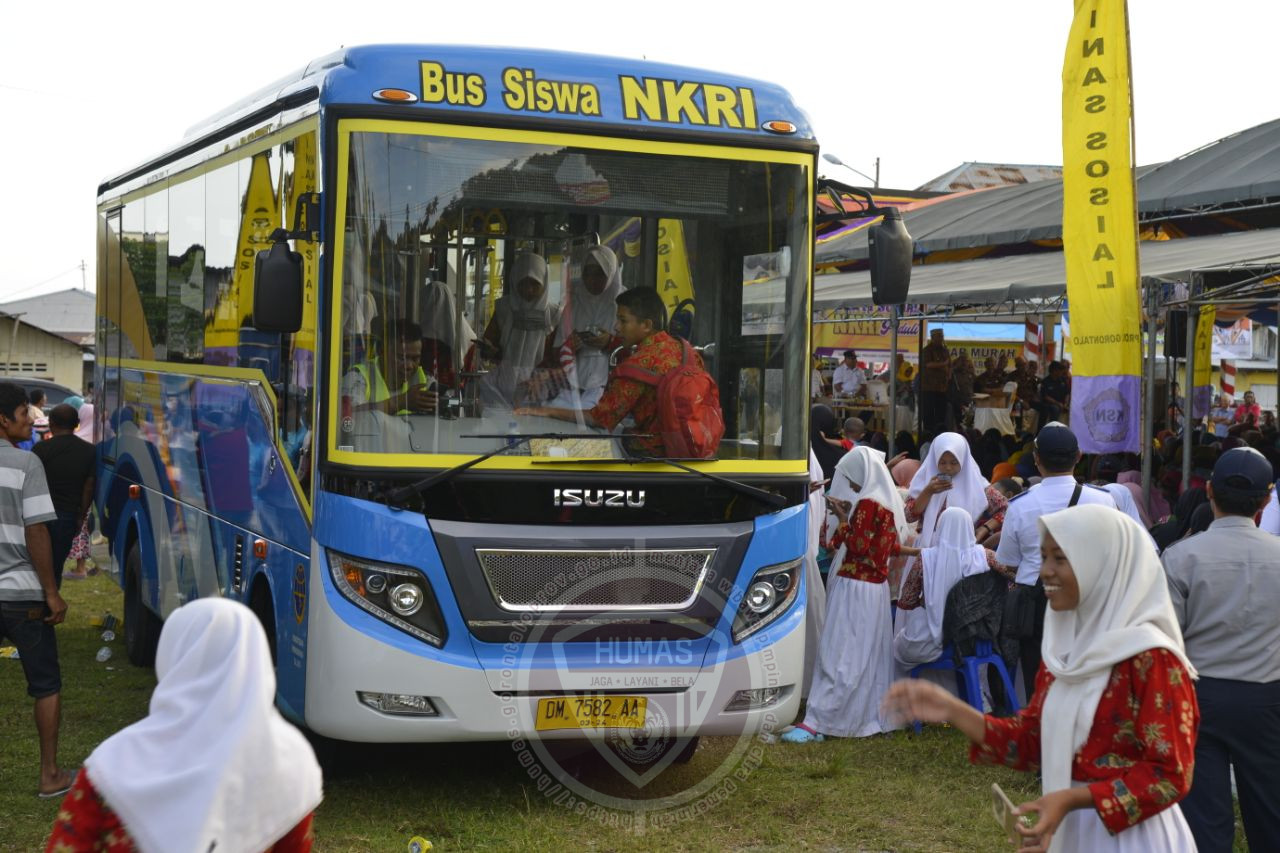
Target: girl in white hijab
x=954, y=555
x=213, y=766
x=522, y=323
x=439, y=320
x=816, y=593
x=960, y=484
x=855, y=655
x=587, y=327
x=1113, y=719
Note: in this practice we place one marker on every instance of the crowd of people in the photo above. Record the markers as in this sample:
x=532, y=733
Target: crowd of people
x=1141, y=626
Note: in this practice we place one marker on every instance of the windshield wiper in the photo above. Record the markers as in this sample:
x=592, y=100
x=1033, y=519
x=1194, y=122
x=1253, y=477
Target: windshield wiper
x=745, y=488
x=513, y=441
x=399, y=494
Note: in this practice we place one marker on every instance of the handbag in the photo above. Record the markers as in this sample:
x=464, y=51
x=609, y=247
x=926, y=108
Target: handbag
x=911, y=595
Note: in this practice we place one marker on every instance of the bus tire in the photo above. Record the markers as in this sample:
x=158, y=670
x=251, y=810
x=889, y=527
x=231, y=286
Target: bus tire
x=261, y=605
x=141, y=626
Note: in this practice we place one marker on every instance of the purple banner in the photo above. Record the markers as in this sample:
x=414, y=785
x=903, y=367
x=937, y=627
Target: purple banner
x=1201, y=400
x=1104, y=413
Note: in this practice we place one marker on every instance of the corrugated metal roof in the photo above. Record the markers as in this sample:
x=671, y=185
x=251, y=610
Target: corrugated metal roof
x=69, y=313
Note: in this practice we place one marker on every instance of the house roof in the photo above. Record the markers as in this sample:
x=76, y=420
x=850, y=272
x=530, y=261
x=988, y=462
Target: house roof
x=68, y=313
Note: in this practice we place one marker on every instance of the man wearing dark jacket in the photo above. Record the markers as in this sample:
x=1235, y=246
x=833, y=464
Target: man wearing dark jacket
x=69, y=467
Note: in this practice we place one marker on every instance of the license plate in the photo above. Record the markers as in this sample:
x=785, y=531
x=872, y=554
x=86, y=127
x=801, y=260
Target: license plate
x=591, y=712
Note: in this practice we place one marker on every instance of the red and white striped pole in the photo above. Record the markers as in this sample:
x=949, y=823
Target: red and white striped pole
x=1031, y=342
x=1229, y=379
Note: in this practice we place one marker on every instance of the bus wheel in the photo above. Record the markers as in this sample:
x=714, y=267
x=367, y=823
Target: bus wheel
x=141, y=626
x=687, y=751
x=260, y=604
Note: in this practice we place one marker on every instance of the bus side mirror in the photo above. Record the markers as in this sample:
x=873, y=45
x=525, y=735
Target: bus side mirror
x=890, y=249
x=277, y=288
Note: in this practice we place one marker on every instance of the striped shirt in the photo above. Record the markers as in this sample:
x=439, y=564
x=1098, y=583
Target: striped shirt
x=24, y=500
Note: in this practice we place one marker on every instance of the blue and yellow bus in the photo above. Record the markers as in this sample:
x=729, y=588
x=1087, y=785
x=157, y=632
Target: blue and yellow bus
x=460, y=570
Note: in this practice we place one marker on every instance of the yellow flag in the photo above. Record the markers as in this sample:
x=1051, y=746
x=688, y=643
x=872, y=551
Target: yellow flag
x=1202, y=375
x=675, y=284
x=1099, y=229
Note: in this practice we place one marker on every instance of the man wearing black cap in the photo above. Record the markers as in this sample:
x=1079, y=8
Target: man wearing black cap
x=1225, y=586
x=848, y=379
x=1056, y=453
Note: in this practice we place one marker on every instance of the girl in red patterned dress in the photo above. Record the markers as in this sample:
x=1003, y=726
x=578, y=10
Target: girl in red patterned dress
x=213, y=766
x=855, y=655
x=1112, y=723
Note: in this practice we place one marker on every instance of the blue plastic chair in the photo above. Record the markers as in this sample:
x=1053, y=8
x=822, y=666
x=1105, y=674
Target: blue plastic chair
x=969, y=673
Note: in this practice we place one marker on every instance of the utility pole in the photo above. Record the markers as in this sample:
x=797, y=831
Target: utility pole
x=84, y=285
x=13, y=340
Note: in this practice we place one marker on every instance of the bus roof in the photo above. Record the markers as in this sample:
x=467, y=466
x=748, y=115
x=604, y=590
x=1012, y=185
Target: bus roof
x=519, y=82
x=510, y=84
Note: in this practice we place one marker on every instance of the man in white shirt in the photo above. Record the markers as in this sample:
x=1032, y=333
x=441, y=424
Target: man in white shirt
x=1270, y=521
x=849, y=379
x=1056, y=453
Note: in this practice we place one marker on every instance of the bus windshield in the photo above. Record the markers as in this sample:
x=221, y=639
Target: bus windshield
x=477, y=271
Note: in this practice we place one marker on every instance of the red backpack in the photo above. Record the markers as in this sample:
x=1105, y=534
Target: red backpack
x=690, y=421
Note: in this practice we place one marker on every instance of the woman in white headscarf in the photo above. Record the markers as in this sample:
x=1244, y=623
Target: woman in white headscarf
x=816, y=592
x=953, y=556
x=854, y=665
x=519, y=334
x=1112, y=723
x=213, y=766
x=587, y=326
x=445, y=340
x=949, y=476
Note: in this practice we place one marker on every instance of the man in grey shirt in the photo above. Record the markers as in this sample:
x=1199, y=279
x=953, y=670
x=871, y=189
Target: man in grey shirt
x=29, y=601
x=1225, y=586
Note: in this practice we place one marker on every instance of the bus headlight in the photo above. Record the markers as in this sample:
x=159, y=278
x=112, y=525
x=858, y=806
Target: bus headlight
x=768, y=596
x=406, y=599
x=398, y=595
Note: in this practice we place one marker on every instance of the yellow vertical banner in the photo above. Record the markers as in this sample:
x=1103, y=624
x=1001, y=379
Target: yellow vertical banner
x=675, y=283
x=1202, y=373
x=1099, y=229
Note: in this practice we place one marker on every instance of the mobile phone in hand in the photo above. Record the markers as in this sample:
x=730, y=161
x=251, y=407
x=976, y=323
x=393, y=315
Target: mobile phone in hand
x=1002, y=809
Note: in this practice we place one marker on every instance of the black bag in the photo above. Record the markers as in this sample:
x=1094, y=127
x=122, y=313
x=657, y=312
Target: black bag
x=1019, y=620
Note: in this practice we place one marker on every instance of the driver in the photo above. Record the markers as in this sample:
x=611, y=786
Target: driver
x=398, y=365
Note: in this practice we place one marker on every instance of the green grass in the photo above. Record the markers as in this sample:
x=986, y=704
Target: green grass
x=899, y=792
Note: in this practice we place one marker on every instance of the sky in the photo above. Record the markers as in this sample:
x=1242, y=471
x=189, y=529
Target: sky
x=89, y=90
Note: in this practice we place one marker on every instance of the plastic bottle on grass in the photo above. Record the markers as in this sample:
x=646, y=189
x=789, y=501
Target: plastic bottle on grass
x=104, y=654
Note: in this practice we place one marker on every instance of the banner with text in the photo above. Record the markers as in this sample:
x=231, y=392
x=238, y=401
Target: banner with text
x=864, y=329
x=1099, y=229
x=1202, y=375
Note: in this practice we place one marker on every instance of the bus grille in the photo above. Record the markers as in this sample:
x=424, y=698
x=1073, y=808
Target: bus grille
x=596, y=580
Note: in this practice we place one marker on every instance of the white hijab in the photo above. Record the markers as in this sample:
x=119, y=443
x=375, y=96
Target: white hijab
x=865, y=466
x=585, y=310
x=438, y=317
x=816, y=594
x=523, y=324
x=1124, y=610
x=954, y=555
x=214, y=763
x=968, y=490
x=85, y=429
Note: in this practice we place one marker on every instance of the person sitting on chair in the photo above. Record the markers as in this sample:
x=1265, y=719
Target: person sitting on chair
x=397, y=365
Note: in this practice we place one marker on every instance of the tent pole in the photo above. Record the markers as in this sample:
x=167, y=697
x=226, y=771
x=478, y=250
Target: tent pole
x=1149, y=398
x=1193, y=319
x=919, y=383
x=892, y=420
